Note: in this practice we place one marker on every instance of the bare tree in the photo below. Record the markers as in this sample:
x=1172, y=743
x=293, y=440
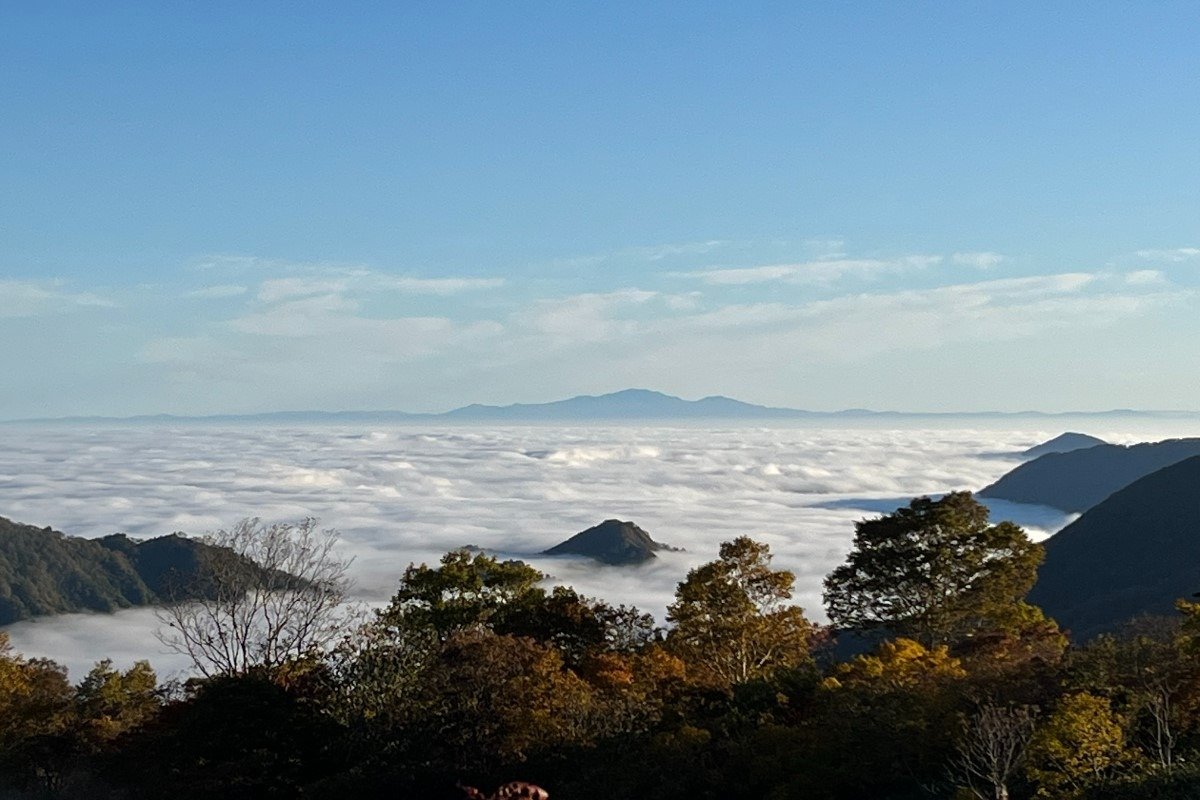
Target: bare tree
x=261, y=595
x=1160, y=706
x=992, y=748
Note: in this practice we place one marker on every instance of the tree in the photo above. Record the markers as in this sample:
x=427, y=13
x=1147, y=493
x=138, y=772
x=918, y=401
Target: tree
x=36, y=745
x=897, y=664
x=489, y=699
x=35, y=696
x=935, y=570
x=110, y=702
x=265, y=594
x=474, y=590
x=1150, y=671
x=1079, y=747
x=732, y=620
x=890, y=717
x=466, y=590
x=992, y=748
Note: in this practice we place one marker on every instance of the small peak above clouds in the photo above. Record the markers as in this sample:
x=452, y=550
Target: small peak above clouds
x=612, y=542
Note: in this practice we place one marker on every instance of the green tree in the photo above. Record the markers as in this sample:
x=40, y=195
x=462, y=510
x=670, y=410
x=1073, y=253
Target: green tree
x=110, y=702
x=934, y=570
x=577, y=626
x=732, y=619
x=474, y=590
x=468, y=589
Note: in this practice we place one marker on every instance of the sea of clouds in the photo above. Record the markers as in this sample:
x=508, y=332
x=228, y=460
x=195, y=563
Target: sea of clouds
x=402, y=495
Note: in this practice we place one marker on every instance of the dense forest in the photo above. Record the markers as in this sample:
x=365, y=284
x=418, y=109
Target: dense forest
x=43, y=571
x=935, y=679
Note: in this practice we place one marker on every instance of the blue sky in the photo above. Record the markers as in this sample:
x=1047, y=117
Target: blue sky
x=208, y=208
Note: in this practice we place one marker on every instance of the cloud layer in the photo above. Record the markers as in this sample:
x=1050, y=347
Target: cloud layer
x=403, y=495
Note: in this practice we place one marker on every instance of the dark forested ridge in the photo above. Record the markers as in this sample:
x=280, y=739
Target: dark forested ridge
x=1134, y=553
x=43, y=571
x=1077, y=480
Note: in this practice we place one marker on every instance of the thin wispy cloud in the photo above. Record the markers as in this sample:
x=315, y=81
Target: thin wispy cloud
x=980, y=260
x=258, y=341
x=278, y=289
x=1145, y=277
x=826, y=248
x=217, y=292
x=299, y=328
x=812, y=272
x=437, y=286
x=1173, y=255
x=30, y=298
x=662, y=251
x=645, y=253
x=338, y=280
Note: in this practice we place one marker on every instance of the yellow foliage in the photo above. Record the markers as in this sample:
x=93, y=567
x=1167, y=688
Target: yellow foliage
x=897, y=664
x=1079, y=746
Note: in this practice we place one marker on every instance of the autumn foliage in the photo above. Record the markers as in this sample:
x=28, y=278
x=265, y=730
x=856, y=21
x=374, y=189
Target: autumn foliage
x=940, y=681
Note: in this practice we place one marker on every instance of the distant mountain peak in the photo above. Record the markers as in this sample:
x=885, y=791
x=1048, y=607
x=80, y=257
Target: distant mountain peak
x=612, y=542
x=626, y=404
x=1064, y=443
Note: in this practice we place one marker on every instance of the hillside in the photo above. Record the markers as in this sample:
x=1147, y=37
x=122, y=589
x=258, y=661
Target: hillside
x=1077, y=480
x=44, y=572
x=1132, y=554
x=612, y=542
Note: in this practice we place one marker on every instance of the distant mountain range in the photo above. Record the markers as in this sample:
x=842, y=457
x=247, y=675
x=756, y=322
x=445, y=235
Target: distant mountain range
x=1134, y=553
x=625, y=405
x=1077, y=480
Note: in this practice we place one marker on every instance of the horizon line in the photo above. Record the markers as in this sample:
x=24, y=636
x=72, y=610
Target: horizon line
x=776, y=411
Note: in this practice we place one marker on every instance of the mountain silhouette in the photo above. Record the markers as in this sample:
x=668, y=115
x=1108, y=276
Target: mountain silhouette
x=1135, y=553
x=625, y=404
x=1077, y=480
x=1063, y=443
x=613, y=542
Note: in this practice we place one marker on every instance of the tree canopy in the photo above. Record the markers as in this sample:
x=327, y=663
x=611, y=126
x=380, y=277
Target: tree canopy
x=481, y=671
x=934, y=570
x=732, y=619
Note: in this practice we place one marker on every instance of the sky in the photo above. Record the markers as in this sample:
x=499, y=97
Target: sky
x=225, y=207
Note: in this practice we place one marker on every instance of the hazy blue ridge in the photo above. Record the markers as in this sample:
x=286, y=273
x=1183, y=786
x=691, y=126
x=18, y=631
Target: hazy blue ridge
x=1077, y=480
x=624, y=405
